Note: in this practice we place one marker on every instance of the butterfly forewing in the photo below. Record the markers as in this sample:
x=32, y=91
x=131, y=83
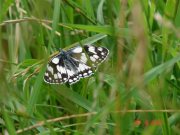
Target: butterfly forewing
x=78, y=54
x=71, y=65
x=56, y=71
x=96, y=54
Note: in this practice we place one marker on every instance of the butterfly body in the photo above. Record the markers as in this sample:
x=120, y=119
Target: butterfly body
x=71, y=65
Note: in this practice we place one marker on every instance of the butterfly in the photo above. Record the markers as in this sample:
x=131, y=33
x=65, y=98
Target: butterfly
x=76, y=63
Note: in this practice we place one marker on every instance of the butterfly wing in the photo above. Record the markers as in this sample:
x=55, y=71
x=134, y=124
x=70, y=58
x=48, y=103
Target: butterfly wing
x=78, y=54
x=96, y=54
x=83, y=70
x=76, y=69
x=72, y=71
x=79, y=59
x=56, y=71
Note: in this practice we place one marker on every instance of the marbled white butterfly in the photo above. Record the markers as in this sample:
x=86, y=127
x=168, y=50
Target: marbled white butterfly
x=71, y=65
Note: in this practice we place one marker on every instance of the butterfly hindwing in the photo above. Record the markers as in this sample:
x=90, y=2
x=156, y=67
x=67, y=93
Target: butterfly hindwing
x=83, y=69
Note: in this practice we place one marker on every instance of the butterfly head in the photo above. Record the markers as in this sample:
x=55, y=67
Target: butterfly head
x=62, y=51
x=63, y=54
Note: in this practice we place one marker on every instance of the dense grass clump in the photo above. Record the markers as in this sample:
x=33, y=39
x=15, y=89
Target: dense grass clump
x=135, y=91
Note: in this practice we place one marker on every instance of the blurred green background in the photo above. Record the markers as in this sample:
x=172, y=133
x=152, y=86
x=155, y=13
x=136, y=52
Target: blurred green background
x=135, y=91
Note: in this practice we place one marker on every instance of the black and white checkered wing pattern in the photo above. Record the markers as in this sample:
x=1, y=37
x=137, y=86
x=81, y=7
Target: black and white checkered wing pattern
x=80, y=60
x=96, y=54
x=56, y=71
x=72, y=71
x=69, y=66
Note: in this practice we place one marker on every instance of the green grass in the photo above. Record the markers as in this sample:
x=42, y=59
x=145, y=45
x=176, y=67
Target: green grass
x=135, y=91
